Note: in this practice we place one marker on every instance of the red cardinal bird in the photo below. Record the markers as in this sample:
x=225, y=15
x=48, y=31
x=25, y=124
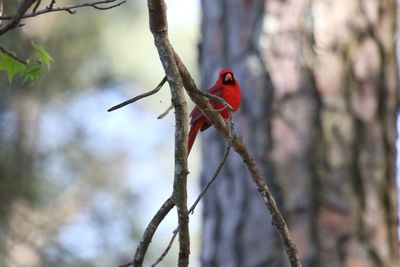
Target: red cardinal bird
x=228, y=89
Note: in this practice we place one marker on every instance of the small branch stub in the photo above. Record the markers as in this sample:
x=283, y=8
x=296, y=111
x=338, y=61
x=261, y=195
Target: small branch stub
x=136, y=98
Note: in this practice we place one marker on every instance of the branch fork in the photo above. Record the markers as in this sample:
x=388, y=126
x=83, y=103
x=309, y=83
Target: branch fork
x=178, y=78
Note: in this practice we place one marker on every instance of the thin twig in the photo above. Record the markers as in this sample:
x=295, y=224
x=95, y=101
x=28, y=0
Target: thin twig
x=108, y=7
x=70, y=9
x=150, y=230
x=5, y=51
x=136, y=98
x=215, y=176
x=126, y=264
x=202, y=193
x=227, y=106
x=36, y=6
x=216, y=99
x=51, y=5
x=217, y=171
x=167, y=249
x=165, y=113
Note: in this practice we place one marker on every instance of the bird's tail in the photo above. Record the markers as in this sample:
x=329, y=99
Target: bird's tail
x=194, y=129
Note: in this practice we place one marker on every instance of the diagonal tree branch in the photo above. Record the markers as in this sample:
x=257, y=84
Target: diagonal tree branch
x=36, y=6
x=251, y=164
x=169, y=203
x=177, y=75
x=167, y=249
x=149, y=232
x=193, y=207
x=5, y=51
x=165, y=113
x=207, y=186
x=136, y=98
x=51, y=4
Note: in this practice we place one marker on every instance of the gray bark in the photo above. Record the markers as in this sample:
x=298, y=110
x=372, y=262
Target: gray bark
x=319, y=107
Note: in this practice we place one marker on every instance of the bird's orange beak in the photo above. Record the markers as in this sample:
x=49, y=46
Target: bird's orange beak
x=228, y=77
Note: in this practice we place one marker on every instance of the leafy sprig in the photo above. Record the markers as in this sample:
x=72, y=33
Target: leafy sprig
x=31, y=70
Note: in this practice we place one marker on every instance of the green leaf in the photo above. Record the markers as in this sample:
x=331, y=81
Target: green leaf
x=11, y=66
x=32, y=73
x=44, y=56
x=33, y=68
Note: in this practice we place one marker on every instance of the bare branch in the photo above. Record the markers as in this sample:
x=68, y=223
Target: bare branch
x=215, y=176
x=238, y=145
x=70, y=9
x=158, y=27
x=21, y=10
x=165, y=113
x=202, y=193
x=150, y=230
x=5, y=51
x=167, y=249
x=108, y=7
x=51, y=4
x=126, y=264
x=136, y=98
x=36, y=6
x=208, y=185
x=177, y=74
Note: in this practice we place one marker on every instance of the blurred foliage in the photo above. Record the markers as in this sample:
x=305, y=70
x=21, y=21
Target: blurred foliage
x=31, y=69
x=65, y=194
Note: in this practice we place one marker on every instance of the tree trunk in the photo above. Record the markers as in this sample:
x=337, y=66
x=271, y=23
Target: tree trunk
x=319, y=105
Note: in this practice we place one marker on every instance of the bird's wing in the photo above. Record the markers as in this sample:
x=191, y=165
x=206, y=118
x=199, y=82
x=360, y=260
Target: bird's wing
x=196, y=112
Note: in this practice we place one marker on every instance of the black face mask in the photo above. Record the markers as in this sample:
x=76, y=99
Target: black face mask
x=228, y=82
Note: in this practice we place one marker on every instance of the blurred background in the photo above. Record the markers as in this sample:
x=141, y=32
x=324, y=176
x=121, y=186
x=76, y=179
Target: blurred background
x=79, y=184
x=319, y=111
